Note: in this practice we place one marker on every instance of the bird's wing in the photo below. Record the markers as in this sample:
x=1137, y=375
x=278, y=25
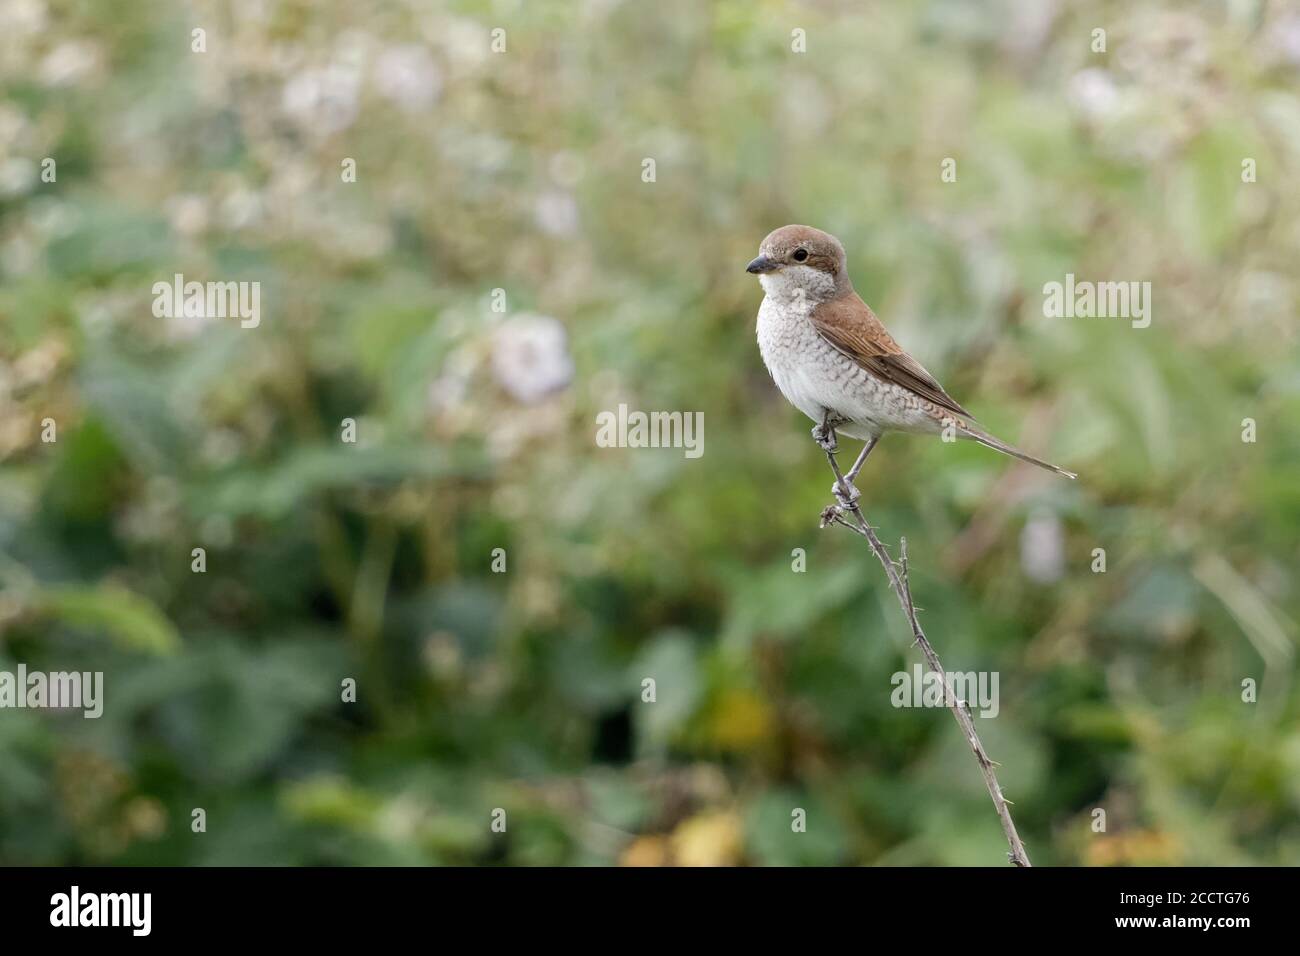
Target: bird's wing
x=849, y=324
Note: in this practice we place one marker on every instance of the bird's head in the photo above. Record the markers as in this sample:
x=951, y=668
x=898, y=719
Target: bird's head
x=801, y=261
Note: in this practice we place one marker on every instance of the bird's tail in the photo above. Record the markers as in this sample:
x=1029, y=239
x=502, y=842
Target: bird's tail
x=984, y=438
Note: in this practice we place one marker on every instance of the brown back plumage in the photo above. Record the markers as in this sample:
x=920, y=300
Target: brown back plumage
x=849, y=324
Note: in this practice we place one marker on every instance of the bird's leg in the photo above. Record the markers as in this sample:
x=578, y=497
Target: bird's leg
x=824, y=435
x=862, y=458
x=845, y=492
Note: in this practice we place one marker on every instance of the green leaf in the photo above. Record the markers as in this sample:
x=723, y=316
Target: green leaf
x=134, y=622
x=275, y=491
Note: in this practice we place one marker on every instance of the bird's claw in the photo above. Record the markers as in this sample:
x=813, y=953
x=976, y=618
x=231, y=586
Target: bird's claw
x=825, y=437
x=846, y=494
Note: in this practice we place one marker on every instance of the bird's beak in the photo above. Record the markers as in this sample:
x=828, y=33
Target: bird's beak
x=760, y=265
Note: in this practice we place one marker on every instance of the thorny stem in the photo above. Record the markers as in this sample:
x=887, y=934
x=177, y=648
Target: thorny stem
x=898, y=581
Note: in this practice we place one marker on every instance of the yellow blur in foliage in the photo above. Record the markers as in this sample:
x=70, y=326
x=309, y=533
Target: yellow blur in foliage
x=739, y=720
x=712, y=838
x=1134, y=848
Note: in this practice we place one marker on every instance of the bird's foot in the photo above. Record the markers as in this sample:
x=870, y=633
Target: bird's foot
x=846, y=493
x=824, y=435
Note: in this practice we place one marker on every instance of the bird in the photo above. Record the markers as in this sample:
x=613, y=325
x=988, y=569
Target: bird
x=834, y=360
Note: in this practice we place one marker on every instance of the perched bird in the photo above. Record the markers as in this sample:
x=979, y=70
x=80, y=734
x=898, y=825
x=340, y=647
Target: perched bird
x=834, y=361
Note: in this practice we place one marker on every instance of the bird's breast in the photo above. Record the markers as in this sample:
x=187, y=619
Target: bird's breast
x=814, y=376
x=804, y=366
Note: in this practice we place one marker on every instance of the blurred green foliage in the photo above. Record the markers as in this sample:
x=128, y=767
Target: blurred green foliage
x=522, y=171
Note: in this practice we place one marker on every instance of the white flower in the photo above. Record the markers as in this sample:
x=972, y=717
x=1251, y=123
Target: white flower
x=465, y=43
x=556, y=213
x=408, y=77
x=1092, y=91
x=1042, y=548
x=188, y=214
x=530, y=357
x=182, y=327
x=13, y=125
x=17, y=174
x=25, y=17
x=69, y=62
x=241, y=208
x=1285, y=38
x=324, y=101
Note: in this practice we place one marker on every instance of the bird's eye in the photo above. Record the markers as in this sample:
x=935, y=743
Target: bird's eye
x=800, y=255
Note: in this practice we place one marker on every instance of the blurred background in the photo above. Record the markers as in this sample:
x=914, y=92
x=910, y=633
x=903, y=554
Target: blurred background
x=475, y=412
